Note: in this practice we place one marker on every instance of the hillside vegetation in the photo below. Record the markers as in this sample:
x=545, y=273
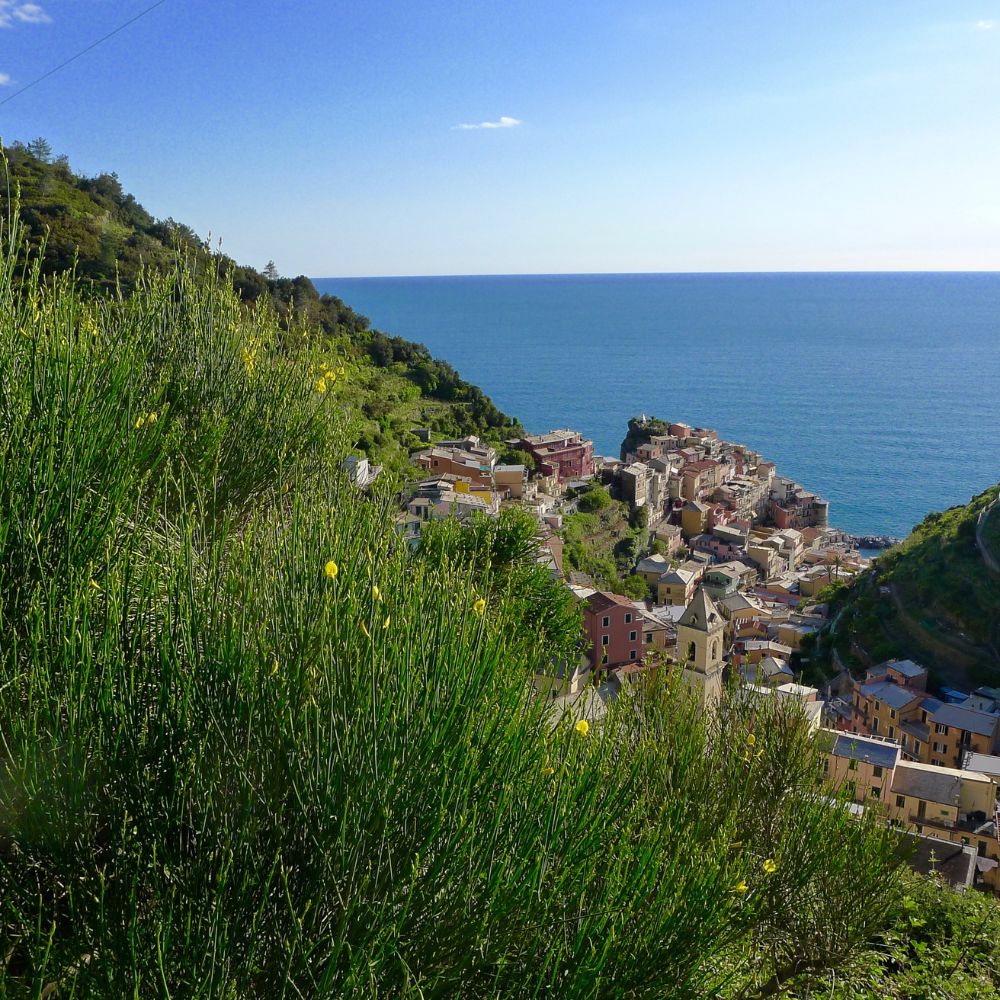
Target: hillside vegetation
x=254, y=746
x=933, y=598
x=92, y=226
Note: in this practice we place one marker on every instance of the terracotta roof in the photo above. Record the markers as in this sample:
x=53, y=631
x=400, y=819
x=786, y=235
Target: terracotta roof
x=603, y=600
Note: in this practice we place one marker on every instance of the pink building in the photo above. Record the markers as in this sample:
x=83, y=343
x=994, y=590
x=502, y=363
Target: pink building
x=564, y=454
x=614, y=629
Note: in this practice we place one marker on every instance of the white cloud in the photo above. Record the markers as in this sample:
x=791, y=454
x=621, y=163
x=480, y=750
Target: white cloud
x=25, y=13
x=985, y=25
x=5, y=80
x=502, y=122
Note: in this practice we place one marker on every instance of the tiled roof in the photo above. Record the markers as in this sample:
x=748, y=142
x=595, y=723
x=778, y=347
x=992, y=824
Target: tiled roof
x=925, y=781
x=966, y=719
x=906, y=667
x=893, y=695
x=603, y=600
x=855, y=747
x=984, y=763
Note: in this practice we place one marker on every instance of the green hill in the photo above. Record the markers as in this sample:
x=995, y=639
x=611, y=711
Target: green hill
x=934, y=598
x=92, y=226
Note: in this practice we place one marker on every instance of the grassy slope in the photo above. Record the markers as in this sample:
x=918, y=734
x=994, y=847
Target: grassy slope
x=943, y=608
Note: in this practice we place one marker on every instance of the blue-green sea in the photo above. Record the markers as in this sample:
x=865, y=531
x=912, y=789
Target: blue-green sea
x=880, y=391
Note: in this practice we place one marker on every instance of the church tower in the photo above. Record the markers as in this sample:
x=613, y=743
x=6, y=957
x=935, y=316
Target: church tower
x=700, y=647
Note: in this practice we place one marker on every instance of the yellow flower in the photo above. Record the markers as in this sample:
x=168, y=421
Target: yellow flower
x=479, y=606
x=376, y=593
x=274, y=668
x=769, y=866
x=321, y=385
x=548, y=770
x=385, y=624
x=582, y=727
x=139, y=421
x=152, y=417
x=741, y=887
x=364, y=628
x=331, y=569
x=751, y=739
x=340, y=371
x=94, y=585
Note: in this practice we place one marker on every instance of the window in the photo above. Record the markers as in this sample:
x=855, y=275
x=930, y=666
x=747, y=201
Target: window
x=923, y=716
x=877, y=706
x=874, y=725
x=892, y=732
x=628, y=619
x=649, y=637
x=892, y=713
x=877, y=771
x=900, y=801
x=940, y=728
x=826, y=765
x=916, y=746
x=605, y=621
x=631, y=654
x=936, y=762
x=876, y=793
x=604, y=640
x=852, y=765
x=632, y=635
x=940, y=748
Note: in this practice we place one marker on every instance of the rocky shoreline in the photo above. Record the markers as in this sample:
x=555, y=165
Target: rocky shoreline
x=874, y=541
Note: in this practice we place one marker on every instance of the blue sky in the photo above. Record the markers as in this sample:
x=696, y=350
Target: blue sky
x=693, y=135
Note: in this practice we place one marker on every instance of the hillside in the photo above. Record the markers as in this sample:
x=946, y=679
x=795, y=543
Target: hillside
x=254, y=746
x=90, y=224
x=934, y=598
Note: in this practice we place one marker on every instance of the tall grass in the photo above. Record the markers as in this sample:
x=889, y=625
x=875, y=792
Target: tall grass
x=228, y=769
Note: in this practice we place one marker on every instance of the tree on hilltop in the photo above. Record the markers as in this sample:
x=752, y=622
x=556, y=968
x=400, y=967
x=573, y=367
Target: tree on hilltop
x=40, y=149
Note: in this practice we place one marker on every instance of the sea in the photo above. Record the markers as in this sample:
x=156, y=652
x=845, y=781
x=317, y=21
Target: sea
x=880, y=391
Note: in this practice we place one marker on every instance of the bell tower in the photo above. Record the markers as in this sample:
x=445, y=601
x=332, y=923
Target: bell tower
x=700, y=647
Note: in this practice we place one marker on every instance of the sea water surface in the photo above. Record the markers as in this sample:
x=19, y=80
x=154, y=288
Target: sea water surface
x=879, y=391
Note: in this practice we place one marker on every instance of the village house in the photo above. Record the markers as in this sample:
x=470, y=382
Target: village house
x=510, y=481
x=859, y=766
x=694, y=518
x=564, y=454
x=794, y=507
x=614, y=630
x=892, y=701
x=652, y=567
x=473, y=462
x=721, y=582
x=677, y=586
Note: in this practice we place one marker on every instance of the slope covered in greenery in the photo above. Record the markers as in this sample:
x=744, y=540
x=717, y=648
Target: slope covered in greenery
x=254, y=746
x=933, y=598
x=91, y=225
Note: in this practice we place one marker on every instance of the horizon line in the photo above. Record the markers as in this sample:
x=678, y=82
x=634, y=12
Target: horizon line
x=649, y=274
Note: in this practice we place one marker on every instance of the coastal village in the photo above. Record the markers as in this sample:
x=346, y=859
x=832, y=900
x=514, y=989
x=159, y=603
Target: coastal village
x=736, y=561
